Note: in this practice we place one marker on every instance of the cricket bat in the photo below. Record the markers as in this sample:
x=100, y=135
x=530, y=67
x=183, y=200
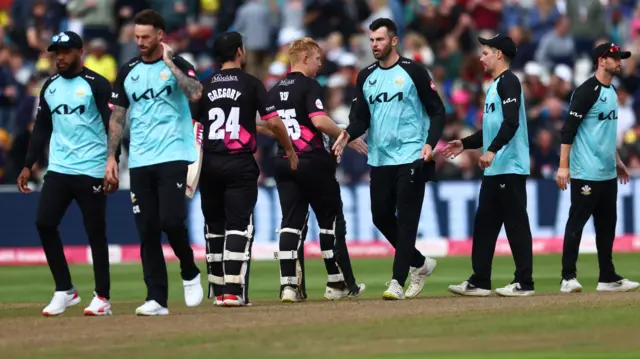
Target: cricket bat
x=193, y=174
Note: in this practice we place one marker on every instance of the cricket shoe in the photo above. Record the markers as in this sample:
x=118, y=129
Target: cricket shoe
x=514, y=290
x=337, y=294
x=151, y=308
x=60, y=302
x=218, y=302
x=232, y=300
x=99, y=306
x=468, y=289
x=394, y=292
x=193, y=292
x=623, y=285
x=570, y=286
x=418, y=275
x=290, y=295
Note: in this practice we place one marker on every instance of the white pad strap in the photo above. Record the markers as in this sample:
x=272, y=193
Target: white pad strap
x=237, y=279
x=284, y=255
x=289, y=230
x=335, y=278
x=214, y=257
x=328, y=254
x=328, y=231
x=236, y=256
x=246, y=234
x=210, y=236
x=288, y=280
x=215, y=279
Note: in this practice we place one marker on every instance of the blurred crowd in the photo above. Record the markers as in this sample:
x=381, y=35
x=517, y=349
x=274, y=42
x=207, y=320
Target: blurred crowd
x=554, y=38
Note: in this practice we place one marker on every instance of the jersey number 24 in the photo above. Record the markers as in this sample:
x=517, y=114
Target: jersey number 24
x=231, y=124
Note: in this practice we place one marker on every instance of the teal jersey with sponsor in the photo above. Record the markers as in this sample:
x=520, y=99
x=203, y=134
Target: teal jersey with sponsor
x=504, y=127
x=591, y=128
x=73, y=114
x=159, y=113
x=401, y=109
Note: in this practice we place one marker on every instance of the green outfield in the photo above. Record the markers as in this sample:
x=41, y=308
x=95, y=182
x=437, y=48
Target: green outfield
x=436, y=325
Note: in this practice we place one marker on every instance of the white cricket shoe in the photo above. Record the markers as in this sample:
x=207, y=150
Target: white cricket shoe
x=337, y=294
x=418, y=275
x=99, y=306
x=218, y=302
x=623, y=285
x=60, y=302
x=514, y=290
x=394, y=292
x=289, y=295
x=468, y=289
x=193, y=292
x=570, y=286
x=150, y=308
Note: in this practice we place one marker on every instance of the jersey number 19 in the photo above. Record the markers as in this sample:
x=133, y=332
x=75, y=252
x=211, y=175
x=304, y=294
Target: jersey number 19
x=231, y=124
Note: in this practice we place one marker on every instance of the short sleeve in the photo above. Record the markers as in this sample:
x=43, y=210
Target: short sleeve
x=102, y=92
x=196, y=109
x=119, y=95
x=185, y=67
x=266, y=109
x=313, y=101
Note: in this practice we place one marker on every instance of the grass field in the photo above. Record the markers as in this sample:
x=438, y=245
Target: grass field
x=436, y=325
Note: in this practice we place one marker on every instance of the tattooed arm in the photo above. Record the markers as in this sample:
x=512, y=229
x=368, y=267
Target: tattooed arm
x=184, y=73
x=116, y=126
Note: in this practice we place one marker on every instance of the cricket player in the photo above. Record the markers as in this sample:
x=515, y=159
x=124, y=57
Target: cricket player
x=397, y=102
x=589, y=159
x=229, y=175
x=157, y=88
x=340, y=232
x=73, y=115
x=505, y=161
x=298, y=103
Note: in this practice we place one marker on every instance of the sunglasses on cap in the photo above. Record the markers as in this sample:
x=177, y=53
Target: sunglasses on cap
x=60, y=38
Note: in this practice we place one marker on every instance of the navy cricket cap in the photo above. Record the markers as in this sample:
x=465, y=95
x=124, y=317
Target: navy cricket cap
x=609, y=49
x=65, y=40
x=502, y=43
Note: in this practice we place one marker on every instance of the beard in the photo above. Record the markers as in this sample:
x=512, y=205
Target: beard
x=384, y=54
x=615, y=71
x=73, y=66
x=149, y=50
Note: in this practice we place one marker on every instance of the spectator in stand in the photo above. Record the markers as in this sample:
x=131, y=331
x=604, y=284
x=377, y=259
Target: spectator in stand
x=617, y=24
x=542, y=19
x=125, y=10
x=561, y=83
x=557, y=46
x=255, y=23
x=626, y=114
x=93, y=18
x=588, y=23
x=545, y=157
x=5, y=145
x=485, y=13
x=127, y=43
x=416, y=48
x=526, y=50
x=177, y=14
x=30, y=31
x=322, y=17
x=100, y=61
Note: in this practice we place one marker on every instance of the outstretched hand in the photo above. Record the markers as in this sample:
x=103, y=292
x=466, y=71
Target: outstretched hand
x=453, y=149
x=340, y=144
x=359, y=146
